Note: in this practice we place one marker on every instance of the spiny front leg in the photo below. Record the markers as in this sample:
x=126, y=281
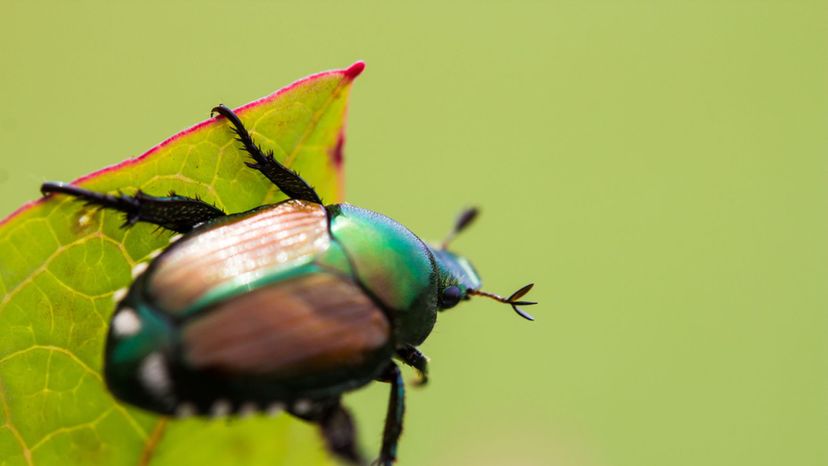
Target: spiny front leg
x=177, y=213
x=412, y=356
x=394, y=416
x=288, y=181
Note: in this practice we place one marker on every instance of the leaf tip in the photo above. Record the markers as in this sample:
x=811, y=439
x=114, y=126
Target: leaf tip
x=354, y=70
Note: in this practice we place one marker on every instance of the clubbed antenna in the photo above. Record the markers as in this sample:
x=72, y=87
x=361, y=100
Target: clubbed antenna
x=465, y=219
x=512, y=300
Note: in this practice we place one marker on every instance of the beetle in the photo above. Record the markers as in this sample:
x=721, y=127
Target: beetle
x=283, y=307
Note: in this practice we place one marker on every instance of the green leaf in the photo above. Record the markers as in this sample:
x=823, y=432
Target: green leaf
x=61, y=262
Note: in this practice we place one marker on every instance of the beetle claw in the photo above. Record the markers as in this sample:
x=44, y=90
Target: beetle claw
x=421, y=381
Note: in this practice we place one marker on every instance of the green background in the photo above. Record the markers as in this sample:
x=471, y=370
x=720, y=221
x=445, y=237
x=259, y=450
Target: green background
x=659, y=169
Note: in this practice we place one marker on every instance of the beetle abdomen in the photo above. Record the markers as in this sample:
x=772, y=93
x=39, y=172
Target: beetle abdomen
x=311, y=336
x=238, y=251
x=295, y=328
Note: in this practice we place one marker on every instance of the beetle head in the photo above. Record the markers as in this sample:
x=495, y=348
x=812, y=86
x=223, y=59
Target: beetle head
x=458, y=280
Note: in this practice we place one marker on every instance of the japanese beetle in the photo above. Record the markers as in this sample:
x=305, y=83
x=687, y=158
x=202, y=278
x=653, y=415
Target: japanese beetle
x=285, y=306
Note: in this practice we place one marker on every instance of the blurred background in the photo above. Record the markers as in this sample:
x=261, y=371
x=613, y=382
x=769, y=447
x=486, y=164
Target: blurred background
x=658, y=168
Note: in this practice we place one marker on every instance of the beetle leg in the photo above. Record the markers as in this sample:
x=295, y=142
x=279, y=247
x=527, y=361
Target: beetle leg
x=337, y=426
x=394, y=417
x=284, y=178
x=176, y=213
x=339, y=432
x=412, y=356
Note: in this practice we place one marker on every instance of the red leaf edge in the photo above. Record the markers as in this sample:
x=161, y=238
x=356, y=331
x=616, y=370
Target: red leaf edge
x=350, y=73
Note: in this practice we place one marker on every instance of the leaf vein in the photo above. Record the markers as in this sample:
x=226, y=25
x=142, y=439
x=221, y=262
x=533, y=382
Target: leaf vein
x=65, y=430
x=95, y=374
x=314, y=123
x=27, y=452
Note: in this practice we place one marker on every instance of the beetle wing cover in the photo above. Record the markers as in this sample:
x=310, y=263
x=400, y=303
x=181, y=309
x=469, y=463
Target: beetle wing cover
x=239, y=250
x=301, y=326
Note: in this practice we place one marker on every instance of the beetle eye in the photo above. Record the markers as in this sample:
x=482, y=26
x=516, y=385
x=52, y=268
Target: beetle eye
x=450, y=297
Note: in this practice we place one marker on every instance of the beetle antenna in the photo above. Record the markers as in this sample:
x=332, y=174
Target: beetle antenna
x=512, y=300
x=463, y=221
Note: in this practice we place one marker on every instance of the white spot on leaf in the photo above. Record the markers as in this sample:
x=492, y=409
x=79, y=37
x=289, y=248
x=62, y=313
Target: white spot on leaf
x=85, y=220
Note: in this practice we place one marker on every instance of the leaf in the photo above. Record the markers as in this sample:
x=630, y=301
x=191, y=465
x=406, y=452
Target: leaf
x=61, y=262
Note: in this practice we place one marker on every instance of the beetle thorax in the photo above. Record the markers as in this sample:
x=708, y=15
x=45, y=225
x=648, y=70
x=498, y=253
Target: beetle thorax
x=394, y=266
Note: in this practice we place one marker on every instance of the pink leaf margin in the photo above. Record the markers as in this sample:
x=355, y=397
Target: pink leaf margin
x=349, y=74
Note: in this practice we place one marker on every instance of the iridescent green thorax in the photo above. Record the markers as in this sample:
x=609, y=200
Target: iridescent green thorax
x=395, y=266
x=454, y=270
